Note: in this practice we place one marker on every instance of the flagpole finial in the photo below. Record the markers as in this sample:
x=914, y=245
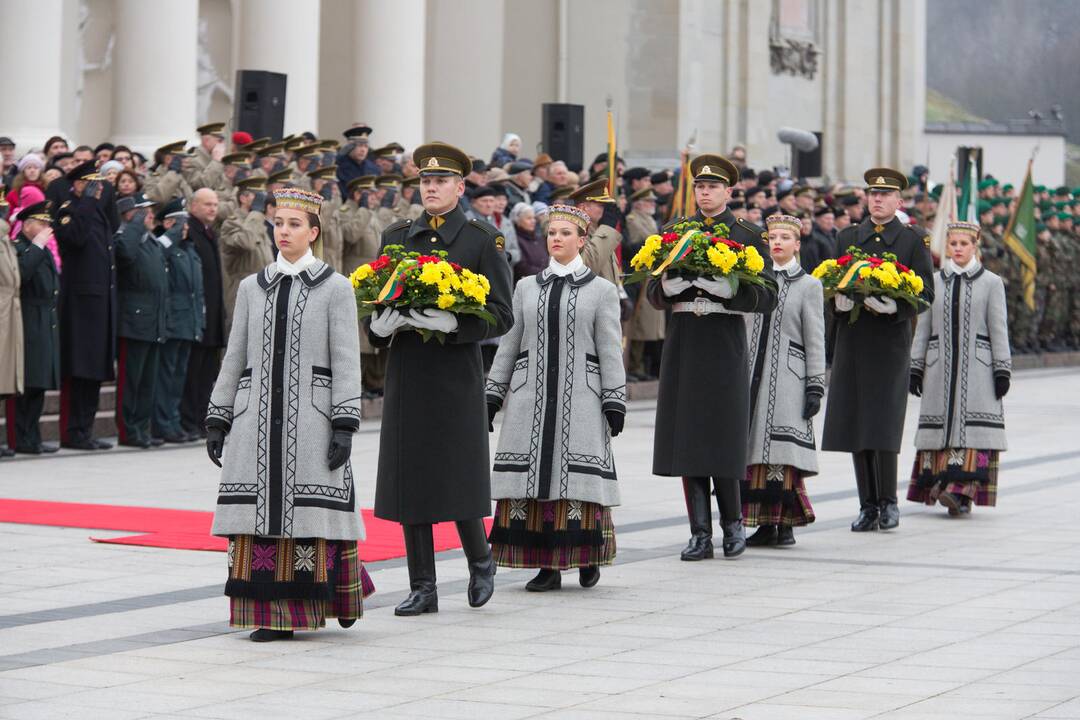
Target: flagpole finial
x=609, y=101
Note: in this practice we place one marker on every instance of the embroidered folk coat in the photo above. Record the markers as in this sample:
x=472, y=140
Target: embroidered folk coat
x=869, y=385
x=703, y=404
x=556, y=373
x=787, y=363
x=433, y=446
x=960, y=346
x=291, y=374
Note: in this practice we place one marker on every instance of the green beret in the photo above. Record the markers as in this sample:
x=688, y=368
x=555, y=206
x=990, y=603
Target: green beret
x=1076, y=192
x=1064, y=216
x=936, y=192
x=1006, y=188
x=983, y=206
x=1045, y=205
x=1061, y=190
x=1039, y=227
x=993, y=181
x=999, y=201
x=1040, y=188
x=985, y=183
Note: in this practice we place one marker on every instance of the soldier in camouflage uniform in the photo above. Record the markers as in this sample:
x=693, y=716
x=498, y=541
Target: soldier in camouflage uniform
x=1053, y=281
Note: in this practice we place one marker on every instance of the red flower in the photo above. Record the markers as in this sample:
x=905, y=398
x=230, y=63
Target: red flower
x=732, y=244
x=902, y=267
x=381, y=263
x=875, y=261
x=457, y=268
x=425, y=259
x=668, y=238
x=843, y=260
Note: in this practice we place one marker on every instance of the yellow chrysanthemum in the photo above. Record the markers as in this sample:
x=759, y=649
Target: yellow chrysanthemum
x=914, y=282
x=445, y=301
x=430, y=274
x=864, y=272
x=754, y=261
x=722, y=257
x=360, y=274
x=886, y=278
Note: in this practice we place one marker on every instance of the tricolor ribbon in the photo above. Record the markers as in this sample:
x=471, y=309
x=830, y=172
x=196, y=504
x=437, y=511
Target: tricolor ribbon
x=682, y=248
x=852, y=275
x=394, y=286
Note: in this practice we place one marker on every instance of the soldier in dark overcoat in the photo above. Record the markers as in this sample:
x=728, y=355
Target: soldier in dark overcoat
x=433, y=450
x=40, y=295
x=84, y=233
x=703, y=405
x=868, y=392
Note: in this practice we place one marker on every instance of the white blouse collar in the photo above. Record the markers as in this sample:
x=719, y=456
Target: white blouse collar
x=288, y=268
x=561, y=270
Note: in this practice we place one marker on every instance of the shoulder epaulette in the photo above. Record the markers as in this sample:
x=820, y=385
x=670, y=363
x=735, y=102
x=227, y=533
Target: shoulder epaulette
x=491, y=230
x=752, y=228
x=397, y=225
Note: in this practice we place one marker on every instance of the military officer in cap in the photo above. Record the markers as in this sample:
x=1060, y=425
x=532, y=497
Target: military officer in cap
x=245, y=247
x=868, y=395
x=353, y=161
x=386, y=191
x=166, y=180
x=205, y=167
x=360, y=244
x=603, y=240
x=407, y=205
x=704, y=371
x=330, y=243
x=308, y=160
x=87, y=306
x=433, y=450
x=39, y=292
x=142, y=296
x=386, y=157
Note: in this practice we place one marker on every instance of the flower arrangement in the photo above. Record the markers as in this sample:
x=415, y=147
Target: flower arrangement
x=411, y=281
x=691, y=250
x=858, y=274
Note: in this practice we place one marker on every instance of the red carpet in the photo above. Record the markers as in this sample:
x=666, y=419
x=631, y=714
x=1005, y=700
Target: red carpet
x=190, y=529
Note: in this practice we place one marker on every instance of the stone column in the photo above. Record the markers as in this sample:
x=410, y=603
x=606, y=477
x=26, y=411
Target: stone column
x=31, y=110
x=282, y=36
x=155, y=68
x=390, y=69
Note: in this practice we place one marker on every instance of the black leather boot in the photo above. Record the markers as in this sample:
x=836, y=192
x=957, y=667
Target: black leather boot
x=481, y=564
x=699, y=510
x=545, y=580
x=267, y=635
x=730, y=504
x=785, y=535
x=589, y=576
x=864, y=480
x=885, y=477
x=764, y=536
x=420, y=555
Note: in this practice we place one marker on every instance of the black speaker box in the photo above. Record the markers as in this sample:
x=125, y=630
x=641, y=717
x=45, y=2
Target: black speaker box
x=564, y=133
x=259, y=103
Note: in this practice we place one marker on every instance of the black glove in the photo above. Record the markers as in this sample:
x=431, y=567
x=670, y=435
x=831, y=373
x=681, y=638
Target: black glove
x=915, y=385
x=615, y=421
x=327, y=191
x=811, y=405
x=215, y=443
x=340, y=448
x=258, y=204
x=1001, y=386
x=611, y=216
x=492, y=409
x=177, y=163
x=388, y=198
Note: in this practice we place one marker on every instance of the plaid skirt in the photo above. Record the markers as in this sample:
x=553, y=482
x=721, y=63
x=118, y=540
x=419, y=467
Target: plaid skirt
x=294, y=583
x=775, y=495
x=965, y=472
x=552, y=534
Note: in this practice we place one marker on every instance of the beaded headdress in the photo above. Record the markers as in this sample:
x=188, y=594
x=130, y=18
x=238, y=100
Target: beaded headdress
x=788, y=222
x=964, y=227
x=571, y=214
x=298, y=199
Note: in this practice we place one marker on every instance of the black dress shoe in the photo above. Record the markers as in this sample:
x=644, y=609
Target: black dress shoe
x=178, y=439
x=49, y=448
x=80, y=445
x=420, y=601
x=156, y=441
x=102, y=444
x=734, y=538
x=589, y=576
x=192, y=436
x=785, y=535
x=545, y=580
x=266, y=635
x=867, y=520
x=144, y=444
x=699, y=548
x=764, y=536
x=888, y=516
x=481, y=581
x=27, y=450
x=346, y=622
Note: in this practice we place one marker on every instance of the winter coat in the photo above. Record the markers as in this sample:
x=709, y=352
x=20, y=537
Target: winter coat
x=787, y=363
x=185, y=316
x=961, y=344
x=206, y=245
x=290, y=376
x=142, y=284
x=556, y=373
x=11, y=319
x=869, y=386
x=599, y=253
x=532, y=253
x=40, y=295
x=703, y=403
x=433, y=447
x=245, y=250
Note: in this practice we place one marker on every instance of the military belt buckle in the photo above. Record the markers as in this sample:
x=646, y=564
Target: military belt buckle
x=701, y=306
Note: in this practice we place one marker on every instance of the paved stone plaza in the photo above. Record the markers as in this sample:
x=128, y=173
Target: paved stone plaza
x=944, y=618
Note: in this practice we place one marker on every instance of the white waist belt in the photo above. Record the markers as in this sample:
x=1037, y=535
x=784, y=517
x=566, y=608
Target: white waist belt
x=702, y=306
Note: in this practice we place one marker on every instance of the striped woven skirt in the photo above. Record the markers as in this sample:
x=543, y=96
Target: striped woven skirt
x=552, y=534
x=775, y=495
x=968, y=473
x=294, y=583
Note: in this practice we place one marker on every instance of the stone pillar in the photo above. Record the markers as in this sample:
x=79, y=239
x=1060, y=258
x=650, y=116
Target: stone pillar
x=390, y=69
x=282, y=36
x=31, y=110
x=155, y=68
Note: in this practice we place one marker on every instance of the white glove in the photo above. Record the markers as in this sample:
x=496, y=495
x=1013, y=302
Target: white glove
x=717, y=286
x=843, y=302
x=882, y=306
x=672, y=286
x=385, y=322
x=430, y=319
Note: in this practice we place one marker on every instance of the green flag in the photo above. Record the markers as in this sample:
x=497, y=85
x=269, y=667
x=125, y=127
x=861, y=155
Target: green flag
x=1020, y=238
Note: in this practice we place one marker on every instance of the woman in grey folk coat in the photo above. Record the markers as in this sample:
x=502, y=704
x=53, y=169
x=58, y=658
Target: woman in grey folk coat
x=288, y=397
x=960, y=366
x=787, y=366
x=560, y=375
